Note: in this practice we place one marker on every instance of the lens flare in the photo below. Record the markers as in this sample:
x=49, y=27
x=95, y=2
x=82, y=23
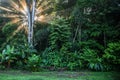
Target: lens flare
x=17, y=12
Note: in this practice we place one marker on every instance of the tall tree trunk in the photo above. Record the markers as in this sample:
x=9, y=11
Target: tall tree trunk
x=76, y=32
x=31, y=15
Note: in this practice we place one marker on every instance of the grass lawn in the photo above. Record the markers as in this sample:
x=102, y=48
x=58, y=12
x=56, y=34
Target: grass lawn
x=85, y=75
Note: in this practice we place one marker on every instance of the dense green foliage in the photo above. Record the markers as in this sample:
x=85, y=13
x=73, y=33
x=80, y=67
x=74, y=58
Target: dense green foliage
x=85, y=37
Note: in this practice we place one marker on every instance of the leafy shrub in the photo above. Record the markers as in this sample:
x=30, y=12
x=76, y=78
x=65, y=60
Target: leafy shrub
x=15, y=56
x=33, y=62
x=112, y=54
x=59, y=33
x=13, y=36
x=8, y=29
x=63, y=60
x=91, y=59
x=1, y=66
x=51, y=59
x=73, y=61
x=8, y=56
x=23, y=52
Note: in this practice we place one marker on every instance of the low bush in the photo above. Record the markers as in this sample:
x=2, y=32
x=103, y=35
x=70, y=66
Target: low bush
x=112, y=55
x=16, y=57
x=91, y=59
x=33, y=62
x=8, y=56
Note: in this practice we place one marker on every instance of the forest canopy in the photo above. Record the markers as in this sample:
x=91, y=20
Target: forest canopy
x=67, y=34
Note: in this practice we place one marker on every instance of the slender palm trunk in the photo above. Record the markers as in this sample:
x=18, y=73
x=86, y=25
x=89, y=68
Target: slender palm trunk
x=78, y=32
x=31, y=15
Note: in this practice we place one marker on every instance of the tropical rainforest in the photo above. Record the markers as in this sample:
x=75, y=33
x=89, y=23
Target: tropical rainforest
x=63, y=35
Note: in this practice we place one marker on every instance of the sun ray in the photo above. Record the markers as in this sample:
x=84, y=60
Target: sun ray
x=14, y=33
x=17, y=12
x=16, y=20
x=23, y=5
x=5, y=9
x=14, y=5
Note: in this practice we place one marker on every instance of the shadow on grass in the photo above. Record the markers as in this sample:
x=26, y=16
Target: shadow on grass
x=36, y=79
x=25, y=79
x=116, y=76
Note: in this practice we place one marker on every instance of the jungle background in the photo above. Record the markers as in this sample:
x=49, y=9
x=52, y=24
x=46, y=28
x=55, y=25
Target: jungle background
x=78, y=35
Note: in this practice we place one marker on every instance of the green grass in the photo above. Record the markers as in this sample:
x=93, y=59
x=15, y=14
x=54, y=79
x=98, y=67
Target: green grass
x=20, y=75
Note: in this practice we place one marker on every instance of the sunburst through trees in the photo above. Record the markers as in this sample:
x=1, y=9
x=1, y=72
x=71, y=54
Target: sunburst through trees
x=25, y=13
